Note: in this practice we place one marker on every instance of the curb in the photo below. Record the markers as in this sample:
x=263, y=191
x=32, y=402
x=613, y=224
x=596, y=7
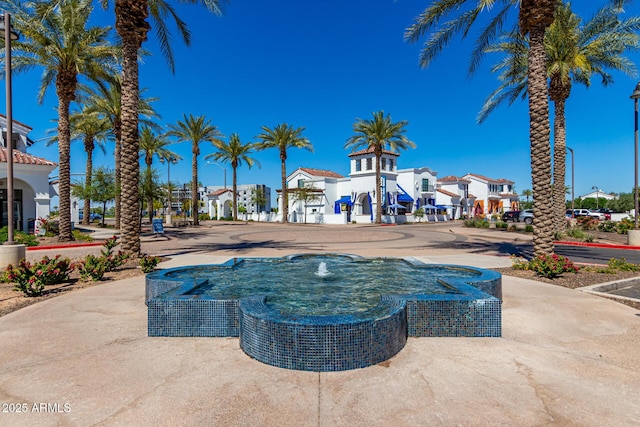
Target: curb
x=75, y=245
x=599, y=245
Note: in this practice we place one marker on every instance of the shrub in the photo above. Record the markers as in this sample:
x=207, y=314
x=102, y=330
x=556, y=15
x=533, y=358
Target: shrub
x=19, y=237
x=148, y=263
x=624, y=225
x=51, y=228
x=607, y=226
x=82, y=237
x=528, y=228
x=623, y=265
x=31, y=279
x=204, y=217
x=587, y=222
x=502, y=225
x=576, y=233
x=547, y=266
x=92, y=268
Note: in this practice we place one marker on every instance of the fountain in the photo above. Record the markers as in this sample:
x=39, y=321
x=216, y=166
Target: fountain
x=322, y=270
x=348, y=312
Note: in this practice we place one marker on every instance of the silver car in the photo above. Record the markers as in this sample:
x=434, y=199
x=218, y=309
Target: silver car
x=526, y=216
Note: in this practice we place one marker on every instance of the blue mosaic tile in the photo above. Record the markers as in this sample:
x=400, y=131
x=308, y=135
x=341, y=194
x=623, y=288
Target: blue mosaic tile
x=325, y=343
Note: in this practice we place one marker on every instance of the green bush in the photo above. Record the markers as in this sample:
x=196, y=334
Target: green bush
x=19, y=237
x=624, y=225
x=547, y=266
x=31, y=279
x=148, y=263
x=528, y=228
x=607, y=226
x=82, y=237
x=92, y=268
x=204, y=217
x=623, y=265
x=502, y=225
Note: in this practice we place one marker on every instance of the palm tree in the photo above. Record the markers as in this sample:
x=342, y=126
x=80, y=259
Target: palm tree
x=93, y=131
x=575, y=52
x=56, y=38
x=235, y=152
x=152, y=145
x=283, y=137
x=527, y=193
x=377, y=135
x=535, y=16
x=195, y=130
x=132, y=27
x=105, y=99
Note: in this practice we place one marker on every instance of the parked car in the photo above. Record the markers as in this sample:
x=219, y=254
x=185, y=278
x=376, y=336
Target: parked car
x=526, y=216
x=92, y=217
x=511, y=216
x=607, y=213
x=587, y=212
x=597, y=214
x=580, y=212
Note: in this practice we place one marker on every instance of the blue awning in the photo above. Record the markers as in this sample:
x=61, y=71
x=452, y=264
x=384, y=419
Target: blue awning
x=345, y=199
x=405, y=198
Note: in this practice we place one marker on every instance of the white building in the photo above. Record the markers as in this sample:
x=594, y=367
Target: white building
x=341, y=199
x=32, y=193
x=322, y=196
x=219, y=200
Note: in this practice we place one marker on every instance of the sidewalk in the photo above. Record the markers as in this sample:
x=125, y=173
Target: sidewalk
x=566, y=357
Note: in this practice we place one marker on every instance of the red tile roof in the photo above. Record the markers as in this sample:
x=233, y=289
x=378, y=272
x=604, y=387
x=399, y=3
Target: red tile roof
x=219, y=192
x=25, y=159
x=321, y=172
x=448, y=193
x=451, y=178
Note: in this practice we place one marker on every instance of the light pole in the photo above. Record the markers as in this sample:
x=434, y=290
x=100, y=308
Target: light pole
x=572, y=183
x=169, y=159
x=9, y=35
x=221, y=167
x=635, y=95
x=597, y=196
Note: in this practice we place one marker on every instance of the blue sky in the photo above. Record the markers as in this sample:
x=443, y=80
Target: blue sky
x=324, y=64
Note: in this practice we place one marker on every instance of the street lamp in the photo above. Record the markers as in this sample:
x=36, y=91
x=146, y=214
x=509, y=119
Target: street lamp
x=221, y=167
x=635, y=95
x=572, y=183
x=597, y=195
x=8, y=34
x=169, y=159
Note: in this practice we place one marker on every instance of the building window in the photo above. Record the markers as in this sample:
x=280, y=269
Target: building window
x=391, y=164
x=301, y=183
x=358, y=165
x=425, y=184
x=383, y=163
x=369, y=164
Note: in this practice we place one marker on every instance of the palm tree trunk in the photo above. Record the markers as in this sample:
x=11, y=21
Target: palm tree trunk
x=559, y=163
x=194, y=189
x=132, y=27
x=64, y=151
x=118, y=182
x=539, y=134
x=285, y=194
x=88, y=147
x=235, y=193
x=378, y=190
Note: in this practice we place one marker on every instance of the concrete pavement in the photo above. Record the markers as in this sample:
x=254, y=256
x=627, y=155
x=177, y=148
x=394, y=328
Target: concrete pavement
x=566, y=358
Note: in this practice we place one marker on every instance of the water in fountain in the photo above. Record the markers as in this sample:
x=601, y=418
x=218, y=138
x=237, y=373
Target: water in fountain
x=322, y=270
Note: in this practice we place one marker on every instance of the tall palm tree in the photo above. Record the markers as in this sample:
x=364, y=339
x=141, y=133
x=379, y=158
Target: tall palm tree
x=575, y=52
x=93, y=130
x=152, y=145
x=527, y=193
x=235, y=152
x=105, y=99
x=534, y=17
x=283, y=137
x=195, y=130
x=377, y=135
x=57, y=38
x=132, y=27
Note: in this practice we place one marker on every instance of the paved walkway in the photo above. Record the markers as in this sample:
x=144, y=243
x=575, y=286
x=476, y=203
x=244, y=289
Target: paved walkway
x=566, y=357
